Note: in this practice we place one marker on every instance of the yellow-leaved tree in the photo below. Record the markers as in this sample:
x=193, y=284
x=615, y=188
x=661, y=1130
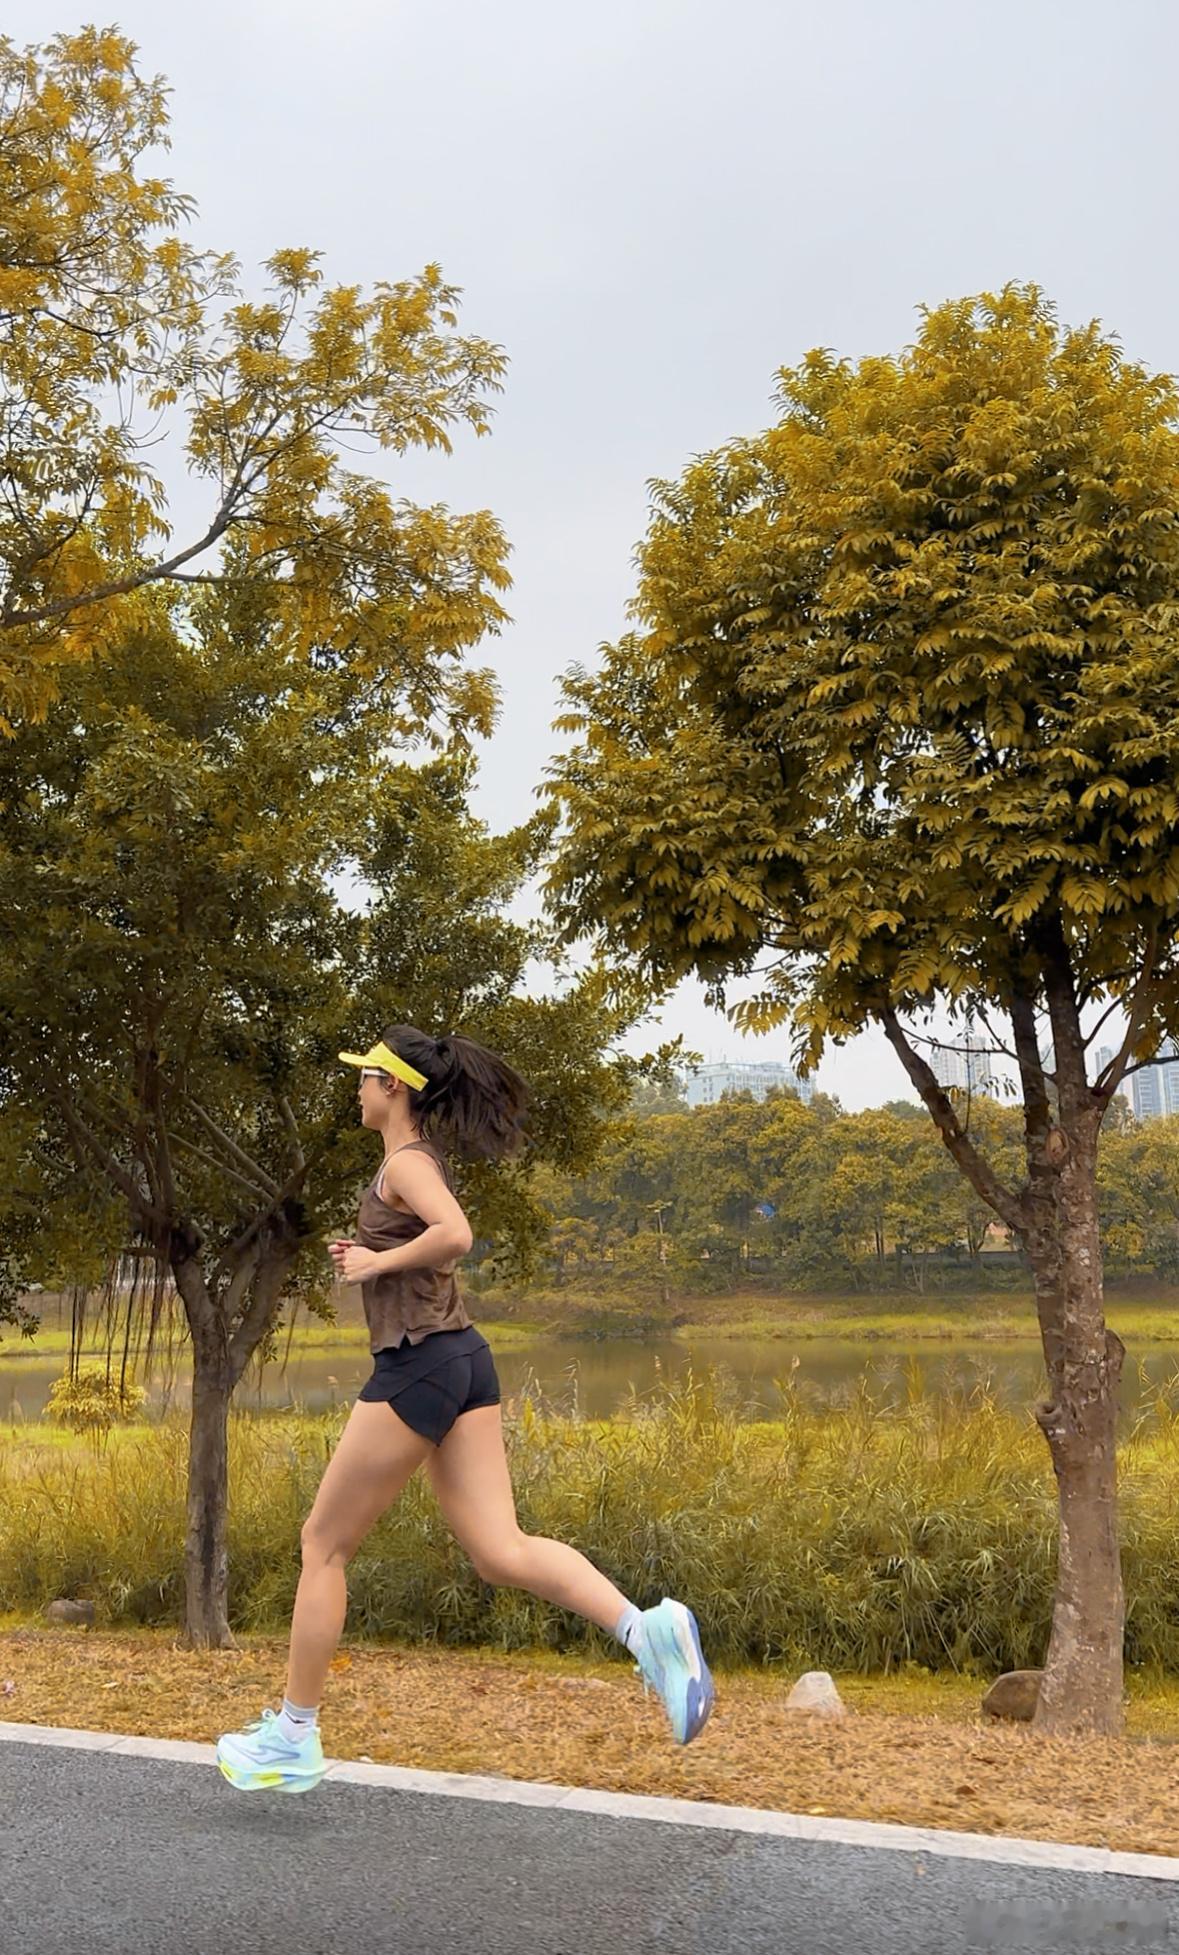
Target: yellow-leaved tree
x=900, y=721
x=119, y=342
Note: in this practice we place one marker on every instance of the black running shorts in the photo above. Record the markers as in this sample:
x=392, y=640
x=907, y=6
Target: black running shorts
x=433, y=1383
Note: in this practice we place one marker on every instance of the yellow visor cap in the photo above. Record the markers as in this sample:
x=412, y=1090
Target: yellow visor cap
x=384, y=1060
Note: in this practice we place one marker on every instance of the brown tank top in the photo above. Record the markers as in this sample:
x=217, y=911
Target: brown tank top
x=405, y=1303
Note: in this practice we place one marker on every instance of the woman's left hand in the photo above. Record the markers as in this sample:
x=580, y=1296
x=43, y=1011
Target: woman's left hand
x=356, y=1265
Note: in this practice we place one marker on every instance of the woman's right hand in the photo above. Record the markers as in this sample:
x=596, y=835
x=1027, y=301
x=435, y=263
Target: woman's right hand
x=338, y=1250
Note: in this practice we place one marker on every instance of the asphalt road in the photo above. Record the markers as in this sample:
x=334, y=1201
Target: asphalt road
x=103, y=1854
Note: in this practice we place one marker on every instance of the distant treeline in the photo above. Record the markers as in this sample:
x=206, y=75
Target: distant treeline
x=811, y=1196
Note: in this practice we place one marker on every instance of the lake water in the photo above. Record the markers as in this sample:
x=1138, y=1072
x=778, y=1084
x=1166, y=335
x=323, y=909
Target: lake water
x=597, y=1377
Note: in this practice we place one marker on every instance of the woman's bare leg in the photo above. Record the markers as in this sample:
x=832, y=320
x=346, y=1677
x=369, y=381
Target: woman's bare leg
x=469, y=1474
x=376, y=1456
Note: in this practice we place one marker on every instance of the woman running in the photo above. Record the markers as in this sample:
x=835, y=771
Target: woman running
x=434, y=1398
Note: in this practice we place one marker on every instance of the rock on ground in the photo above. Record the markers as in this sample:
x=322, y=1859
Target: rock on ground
x=816, y=1693
x=1014, y=1695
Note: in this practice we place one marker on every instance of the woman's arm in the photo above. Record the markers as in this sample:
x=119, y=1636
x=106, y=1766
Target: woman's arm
x=417, y=1181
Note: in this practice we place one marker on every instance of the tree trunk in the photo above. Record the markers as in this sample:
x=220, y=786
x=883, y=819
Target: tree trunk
x=1082, y=1688
x=1054, y=1217
x=206, y=1553
x=226, y=1331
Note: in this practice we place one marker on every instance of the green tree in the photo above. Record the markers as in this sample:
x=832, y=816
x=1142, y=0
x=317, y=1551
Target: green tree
x=997, y=1131
x=115, y=333
x=861, y=1192
x=1138, y=1181
x=900, y=718
x=178, y=971
x=790, y=1157
x=659, y=1096
x=55, y=1233
x=923, y=1216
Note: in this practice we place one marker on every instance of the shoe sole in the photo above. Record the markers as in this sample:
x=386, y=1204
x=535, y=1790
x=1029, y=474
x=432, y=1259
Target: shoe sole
x=674, y=1636
x=267, y=1781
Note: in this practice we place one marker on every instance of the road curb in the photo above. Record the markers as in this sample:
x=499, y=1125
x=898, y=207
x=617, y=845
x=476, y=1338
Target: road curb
x=995, y=1849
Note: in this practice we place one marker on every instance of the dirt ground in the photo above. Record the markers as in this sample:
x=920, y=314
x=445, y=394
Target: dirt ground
x=567, y=1721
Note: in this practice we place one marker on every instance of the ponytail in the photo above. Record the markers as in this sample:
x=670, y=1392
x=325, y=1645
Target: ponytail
x=472, y=1098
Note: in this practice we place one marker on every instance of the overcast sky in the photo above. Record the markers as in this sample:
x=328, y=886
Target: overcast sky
x=654, y=206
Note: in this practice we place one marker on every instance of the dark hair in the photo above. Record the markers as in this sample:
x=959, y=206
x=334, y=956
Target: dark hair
x=473, y=1098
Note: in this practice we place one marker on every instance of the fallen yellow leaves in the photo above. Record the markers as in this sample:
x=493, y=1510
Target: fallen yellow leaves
x=571, y=1722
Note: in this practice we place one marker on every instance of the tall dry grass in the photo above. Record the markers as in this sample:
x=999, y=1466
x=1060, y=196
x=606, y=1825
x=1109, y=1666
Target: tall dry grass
x=859, y=1538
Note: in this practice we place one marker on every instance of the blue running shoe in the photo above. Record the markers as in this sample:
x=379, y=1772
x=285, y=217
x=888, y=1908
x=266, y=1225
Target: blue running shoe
x=671, y=1661
x=260, y=1759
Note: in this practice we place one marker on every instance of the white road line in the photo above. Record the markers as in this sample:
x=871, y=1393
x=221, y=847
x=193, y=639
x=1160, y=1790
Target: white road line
x=994, y=1849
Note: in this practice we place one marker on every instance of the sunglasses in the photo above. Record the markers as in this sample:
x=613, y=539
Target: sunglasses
x=372, y=1072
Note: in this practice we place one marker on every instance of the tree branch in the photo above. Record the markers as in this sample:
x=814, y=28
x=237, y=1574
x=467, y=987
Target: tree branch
x=60, y=607
x=1141, y=1005
x=1073, y=1092
x=978, y=1172
x=236, y=1288
x=218, y=1167
x=268, y=1279
x=86, y=1141
x=144, y=1151
x=1037, y=1108
x=164, y=1157
x=291, y=1125
x=1107, y=1013
x=1143, y=1065
x=235, y=1153
x=998, y=1045
x=290, y=1187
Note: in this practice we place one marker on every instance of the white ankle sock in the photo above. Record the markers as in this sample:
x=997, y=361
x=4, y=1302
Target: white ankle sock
x=295, y=1722
x=629, y=1628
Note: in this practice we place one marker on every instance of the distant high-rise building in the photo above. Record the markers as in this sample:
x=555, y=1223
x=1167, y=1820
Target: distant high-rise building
x=707, y=1084
x=1155, y=1090
x=966, y=1066
x=1100, y=1060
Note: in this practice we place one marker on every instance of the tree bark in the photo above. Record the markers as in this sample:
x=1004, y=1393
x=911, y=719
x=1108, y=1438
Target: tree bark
x=226, y=1330
x=206, y=1548
x=206, y=1551
x=1054, y=1218
x=1082, y=1686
